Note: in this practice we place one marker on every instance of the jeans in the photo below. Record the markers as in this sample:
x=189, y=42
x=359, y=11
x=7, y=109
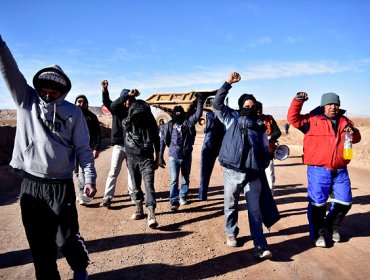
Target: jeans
x=118, y=156
x=175, y=166
x=234, y=183
x=142, y=169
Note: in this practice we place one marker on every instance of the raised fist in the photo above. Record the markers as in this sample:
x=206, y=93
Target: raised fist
x=233, y=78
x=301, y=96
x=104, y=84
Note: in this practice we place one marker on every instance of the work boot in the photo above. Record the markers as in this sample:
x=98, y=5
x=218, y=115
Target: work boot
x=139, y=212
x=152, y=222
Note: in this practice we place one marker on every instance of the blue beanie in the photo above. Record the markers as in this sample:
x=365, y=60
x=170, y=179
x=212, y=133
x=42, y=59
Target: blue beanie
x=330, y=98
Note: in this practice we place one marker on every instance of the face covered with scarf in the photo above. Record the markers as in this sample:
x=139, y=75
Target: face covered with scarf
x=178, y=114
x=247, y=106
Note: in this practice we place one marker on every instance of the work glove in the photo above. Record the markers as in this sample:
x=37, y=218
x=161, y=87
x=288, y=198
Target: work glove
x=161, y=162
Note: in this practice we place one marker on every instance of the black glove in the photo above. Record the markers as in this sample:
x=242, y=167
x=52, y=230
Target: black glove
x=161, y=162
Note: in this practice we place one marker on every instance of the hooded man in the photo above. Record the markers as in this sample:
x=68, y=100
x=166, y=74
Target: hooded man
x=324, y=131
x=51, y=134
x=95, y=140
x=244, y=155
x=179, y=135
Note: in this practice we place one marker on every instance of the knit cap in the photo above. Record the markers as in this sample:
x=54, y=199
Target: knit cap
x=330, y=98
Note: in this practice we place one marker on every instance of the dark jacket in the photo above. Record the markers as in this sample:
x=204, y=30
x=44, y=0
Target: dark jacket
x=94, y=129
x=231, y=154
x=245, y=146
x=214, y=133
x=117, y=116
x=188, y=131
x=141, y=131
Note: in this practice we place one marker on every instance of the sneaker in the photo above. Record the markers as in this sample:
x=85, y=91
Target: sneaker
x=81, y=201
x=139, y=212
x=231, y=241
x=80, y=275
x=320, y=242
x=335, y=236
x=175, y=205
x=183, y=201
x=262, y=253
x=106, y=202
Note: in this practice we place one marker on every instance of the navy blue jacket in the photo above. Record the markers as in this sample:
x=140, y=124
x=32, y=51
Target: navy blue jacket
x=214, y=133
x=236, y=144
x=245, y=147
x=188, y=132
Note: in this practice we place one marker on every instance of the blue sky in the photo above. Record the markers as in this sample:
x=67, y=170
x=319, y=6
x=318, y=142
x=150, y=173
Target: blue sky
x=278, y=47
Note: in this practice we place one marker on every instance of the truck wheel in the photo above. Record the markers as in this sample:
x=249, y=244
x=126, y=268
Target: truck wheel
x=163, y=116
x=201, y=124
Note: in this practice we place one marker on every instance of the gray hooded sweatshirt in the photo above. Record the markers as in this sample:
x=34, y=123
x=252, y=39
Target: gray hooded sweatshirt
x=49, y=136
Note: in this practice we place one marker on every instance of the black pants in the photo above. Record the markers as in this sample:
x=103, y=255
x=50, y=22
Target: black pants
x=50, y=220
x=142, y=169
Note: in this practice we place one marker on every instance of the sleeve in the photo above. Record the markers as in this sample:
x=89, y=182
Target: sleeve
x=295, y=118
x=97, y=134
x=13, y=78
x=193, y=119
x=275, y=130
x=106, y=100
x=84, y=153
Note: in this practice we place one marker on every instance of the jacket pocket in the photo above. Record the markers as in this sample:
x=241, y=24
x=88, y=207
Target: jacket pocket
x=47, y=157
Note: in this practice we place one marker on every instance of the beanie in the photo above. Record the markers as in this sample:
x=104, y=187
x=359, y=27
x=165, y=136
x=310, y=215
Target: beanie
x=330, y=98
x=244, y=97
x=52, y=77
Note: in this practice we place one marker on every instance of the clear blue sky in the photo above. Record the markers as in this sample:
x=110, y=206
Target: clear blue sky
x=278, y=47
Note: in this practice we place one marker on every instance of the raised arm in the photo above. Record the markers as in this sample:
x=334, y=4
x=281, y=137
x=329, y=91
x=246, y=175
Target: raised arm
x=13, y=78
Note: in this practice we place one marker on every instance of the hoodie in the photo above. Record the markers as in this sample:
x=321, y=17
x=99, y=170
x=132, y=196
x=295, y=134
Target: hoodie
x=49, y=136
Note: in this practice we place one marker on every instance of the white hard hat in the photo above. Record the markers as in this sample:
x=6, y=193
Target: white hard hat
x=282, y=152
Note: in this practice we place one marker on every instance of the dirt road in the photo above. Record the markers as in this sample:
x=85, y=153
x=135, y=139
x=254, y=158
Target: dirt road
x=190, y=244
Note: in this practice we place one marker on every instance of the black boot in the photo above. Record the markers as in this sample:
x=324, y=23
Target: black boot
x=318, y=221
x=335, y=218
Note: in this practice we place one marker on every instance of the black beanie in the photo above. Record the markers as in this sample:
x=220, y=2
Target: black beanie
x=244, y=97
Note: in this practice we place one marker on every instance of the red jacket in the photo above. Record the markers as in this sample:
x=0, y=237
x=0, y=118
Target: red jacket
x=321, y=146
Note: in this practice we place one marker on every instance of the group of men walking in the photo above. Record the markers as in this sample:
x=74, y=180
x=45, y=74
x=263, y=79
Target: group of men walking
x=52, y=141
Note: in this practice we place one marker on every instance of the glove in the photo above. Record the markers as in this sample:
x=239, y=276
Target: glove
x=161, y=162
x=301, y=96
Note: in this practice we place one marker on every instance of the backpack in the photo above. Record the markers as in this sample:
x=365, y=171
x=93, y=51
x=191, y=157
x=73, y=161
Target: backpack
x=138, y=140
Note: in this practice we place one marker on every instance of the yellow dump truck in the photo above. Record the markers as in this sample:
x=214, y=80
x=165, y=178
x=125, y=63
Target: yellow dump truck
x=167, y=101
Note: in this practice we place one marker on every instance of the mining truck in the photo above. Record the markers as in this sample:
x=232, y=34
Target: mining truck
x=167, y=101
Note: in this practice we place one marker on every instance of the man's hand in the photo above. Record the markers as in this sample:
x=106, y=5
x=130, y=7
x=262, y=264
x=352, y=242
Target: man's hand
x=134, y=92
x=301, y=96
x=161, y=162
x=104, y=85
x=89, y=190
x=233, y=78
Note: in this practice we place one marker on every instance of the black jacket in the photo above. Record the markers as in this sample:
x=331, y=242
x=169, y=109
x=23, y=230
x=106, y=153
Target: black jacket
x=117, y=117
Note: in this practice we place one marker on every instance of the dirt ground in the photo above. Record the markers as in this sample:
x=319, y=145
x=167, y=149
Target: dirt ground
x=190, y=243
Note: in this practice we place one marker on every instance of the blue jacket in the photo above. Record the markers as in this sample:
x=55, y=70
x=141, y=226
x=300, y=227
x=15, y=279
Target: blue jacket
x=245, y=147
x=188, y=132
x=214, y=133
